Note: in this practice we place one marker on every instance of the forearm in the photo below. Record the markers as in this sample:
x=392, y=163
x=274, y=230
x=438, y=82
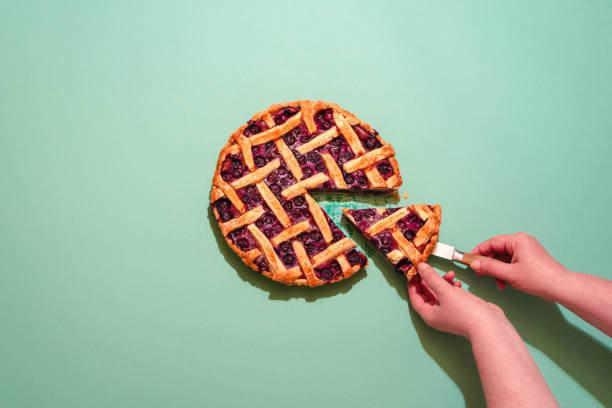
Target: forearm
x=590, y=297
x=509, y=375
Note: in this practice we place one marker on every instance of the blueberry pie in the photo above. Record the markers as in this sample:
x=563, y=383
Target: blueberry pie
x=261, y=183
x=404, y=235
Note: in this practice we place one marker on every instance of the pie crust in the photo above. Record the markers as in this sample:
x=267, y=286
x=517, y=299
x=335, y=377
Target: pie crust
x=405, y=235
x=260, y=195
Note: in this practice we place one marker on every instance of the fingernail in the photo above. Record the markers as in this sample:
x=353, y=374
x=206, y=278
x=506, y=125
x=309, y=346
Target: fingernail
x=475, y=265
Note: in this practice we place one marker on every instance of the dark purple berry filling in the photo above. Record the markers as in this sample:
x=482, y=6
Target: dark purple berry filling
x=403, y=266
x=385, y=169
x=297, y=136
x=242, y=238
x=285, y=113
x=287, y=254
x=356, y=180
x=261, y=263
x=412, y=222
x=250, y=196
x=264, y=153
x=356, y=258
x=369, y=140
x=278, y=180
x=268, y=223
x=329, y=272
x=384, y=242
x=297, y=209
x=232, y=168
x=366, y=217
x=324, y=119
x=225, y=209
x=254, y=127
x=312, y=241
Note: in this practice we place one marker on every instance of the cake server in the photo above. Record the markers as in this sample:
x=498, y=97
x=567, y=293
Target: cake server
x=449, y=252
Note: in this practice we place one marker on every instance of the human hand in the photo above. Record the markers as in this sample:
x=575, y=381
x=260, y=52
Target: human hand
x=520, y=260
x=443, y=305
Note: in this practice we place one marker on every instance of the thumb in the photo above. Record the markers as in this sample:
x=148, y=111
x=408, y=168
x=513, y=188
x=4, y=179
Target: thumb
x=434, y=281
x=493, y=267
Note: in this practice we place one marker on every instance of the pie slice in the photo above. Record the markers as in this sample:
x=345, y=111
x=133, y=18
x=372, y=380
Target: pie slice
x=260, y=189
x=404, y=235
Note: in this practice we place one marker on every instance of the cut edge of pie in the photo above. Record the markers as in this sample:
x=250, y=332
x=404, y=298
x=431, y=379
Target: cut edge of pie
x=406, y=236
x=260, y=195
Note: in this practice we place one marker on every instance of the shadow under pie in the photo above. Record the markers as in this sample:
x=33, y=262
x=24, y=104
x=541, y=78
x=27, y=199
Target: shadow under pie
x=277, y=290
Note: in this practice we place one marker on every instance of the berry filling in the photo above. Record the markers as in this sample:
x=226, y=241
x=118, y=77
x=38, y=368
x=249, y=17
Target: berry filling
x=337, y=233
x=268, y=223
x=403, y=266
x=389, y=211
x=232, y=168
x=287, y=254
x=250, y=196
x=313, y=241
x=312, y=163
x=264, y=153
x=356, y=258
x=242, y=238
x=225, y=209
x=285, y=113
x=369, y=140
x=329, y=272
x=254, y=127
x=297, y=209
x=261, y=263
x=356, y=180
x=384, y=242
x=324, y=119
x=278, y=180
x=385, y=169
x=410, y=225
x=365, y=218
x=338, y=149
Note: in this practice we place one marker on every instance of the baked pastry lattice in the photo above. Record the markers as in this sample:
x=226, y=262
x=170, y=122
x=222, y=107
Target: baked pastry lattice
x=406, y=236
x=260, y=189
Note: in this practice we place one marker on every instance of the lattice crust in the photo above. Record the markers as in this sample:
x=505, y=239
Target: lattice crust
x=261, y=182
x=405, y=235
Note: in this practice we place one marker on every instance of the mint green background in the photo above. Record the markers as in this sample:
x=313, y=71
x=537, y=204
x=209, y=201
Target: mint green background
x=115, y=288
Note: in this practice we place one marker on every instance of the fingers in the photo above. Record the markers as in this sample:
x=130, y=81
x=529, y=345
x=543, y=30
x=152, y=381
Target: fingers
x=449, y=276
x=421, y=304
x=493, y=267
x=501, y=244
x=434, y=281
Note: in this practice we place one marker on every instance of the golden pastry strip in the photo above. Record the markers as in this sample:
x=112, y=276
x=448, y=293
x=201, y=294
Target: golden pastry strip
x=257, y=175
x=369, y=158
x=349, y=134
x=407, y=247
x=289, y=159
x=304, y=262
x=273, y=203
x=375, y=178
x=248, y=217
x=247, y=153
x=276, y=131
x=319, y=218
x=301, y=187
x=388, y=222
x=332, y=251
x=274, y=263
x=334, y=171
x=318, y=141
x=290, y=232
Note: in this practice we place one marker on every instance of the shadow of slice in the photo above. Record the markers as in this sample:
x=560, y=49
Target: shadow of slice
x=371, y=199
x=542, y=325
x=452, y=353
x=276, y=290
